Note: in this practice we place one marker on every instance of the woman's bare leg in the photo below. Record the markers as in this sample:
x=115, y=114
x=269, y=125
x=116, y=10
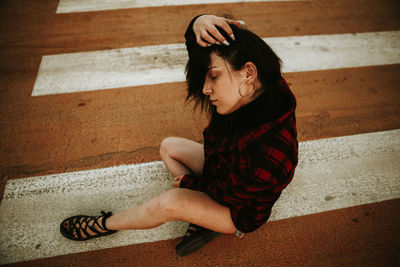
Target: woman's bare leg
x=182, y=156
x=176, y=204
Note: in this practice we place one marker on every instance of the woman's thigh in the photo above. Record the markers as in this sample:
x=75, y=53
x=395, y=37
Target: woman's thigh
x=198, y=208
x=185, y=151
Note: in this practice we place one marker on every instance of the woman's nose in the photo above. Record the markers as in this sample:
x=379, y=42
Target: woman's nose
x=207, y=90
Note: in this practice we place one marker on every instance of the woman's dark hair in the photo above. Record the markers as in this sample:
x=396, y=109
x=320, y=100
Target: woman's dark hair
x=246, y=47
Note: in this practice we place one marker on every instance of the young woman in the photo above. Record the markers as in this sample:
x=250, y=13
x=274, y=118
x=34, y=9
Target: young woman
x=229, y=184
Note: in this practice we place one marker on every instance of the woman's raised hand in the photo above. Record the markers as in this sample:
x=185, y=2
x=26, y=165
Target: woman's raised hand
x=206, y=32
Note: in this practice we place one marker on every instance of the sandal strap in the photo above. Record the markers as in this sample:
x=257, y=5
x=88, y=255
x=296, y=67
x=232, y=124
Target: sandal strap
x=72, y=224
x=95, y=220
x=92, y=226
x=106, y=215
x=85, y=223
x=80, y=225
x=89, y=222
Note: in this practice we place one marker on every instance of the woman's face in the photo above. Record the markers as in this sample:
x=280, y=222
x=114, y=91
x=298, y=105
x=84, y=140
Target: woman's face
x=222, y=85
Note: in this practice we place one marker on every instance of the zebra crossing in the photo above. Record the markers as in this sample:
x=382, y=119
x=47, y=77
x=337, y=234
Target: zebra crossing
x=335, y=173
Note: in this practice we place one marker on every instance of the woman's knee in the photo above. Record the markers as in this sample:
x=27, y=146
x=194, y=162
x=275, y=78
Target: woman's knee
x=167, y=146
x=169, y=203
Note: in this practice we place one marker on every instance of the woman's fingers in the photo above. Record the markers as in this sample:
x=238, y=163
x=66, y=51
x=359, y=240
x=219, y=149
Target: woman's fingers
x=176, y=184
x=177, y=181
x=235, y=22
x=225, y=26
x=218, y=36
x=205, y=35
x=200, y=41
x=206, y=32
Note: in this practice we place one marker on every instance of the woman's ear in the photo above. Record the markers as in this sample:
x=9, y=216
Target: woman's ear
x=249, y=79
x=249, y=72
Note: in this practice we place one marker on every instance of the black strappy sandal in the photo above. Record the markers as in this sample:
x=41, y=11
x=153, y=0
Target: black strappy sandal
x=73, y=227
x=194, y=239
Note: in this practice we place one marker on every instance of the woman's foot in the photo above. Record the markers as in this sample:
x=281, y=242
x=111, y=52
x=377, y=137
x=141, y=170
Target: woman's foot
x=83, y=227
x=194, y=239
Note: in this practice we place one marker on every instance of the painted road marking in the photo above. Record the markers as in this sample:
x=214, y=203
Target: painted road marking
x=117, y=68
x=332, y=174
x=69, y=6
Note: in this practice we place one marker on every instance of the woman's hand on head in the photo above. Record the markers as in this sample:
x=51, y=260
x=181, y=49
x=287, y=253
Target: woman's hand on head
x=206, y=32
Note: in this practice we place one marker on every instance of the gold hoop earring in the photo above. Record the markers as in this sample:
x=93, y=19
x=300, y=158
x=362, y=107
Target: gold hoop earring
x=240, y=92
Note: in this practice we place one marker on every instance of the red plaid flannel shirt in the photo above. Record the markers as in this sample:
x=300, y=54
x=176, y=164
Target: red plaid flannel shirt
x=248, y=171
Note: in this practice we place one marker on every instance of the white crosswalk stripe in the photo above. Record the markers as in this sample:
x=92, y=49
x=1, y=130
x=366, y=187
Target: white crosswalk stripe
x=116, y=68
x=68, y=6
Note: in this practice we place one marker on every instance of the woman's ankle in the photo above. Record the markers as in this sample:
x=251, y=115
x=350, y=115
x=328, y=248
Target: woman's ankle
x=110, y=223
